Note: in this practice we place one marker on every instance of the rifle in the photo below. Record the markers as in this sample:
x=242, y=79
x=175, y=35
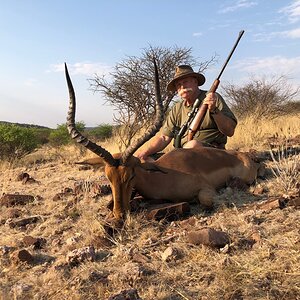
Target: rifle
x=196, y=116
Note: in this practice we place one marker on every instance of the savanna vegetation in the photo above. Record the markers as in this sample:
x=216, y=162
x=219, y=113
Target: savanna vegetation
x=66, y=212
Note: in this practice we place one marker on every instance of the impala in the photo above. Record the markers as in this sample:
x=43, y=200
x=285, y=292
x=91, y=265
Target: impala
x=179, y=175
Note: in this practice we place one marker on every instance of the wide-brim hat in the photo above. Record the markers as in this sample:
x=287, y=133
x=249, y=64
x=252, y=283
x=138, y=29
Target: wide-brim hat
x=181, y=72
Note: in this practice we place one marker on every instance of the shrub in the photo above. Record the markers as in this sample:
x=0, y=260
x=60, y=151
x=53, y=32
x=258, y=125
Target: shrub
x=15, y=140
x=60, y=135
x=262, y=98
x=101, y=132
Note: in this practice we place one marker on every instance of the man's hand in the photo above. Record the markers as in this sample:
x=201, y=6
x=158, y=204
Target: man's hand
x=210, y=100
x=158, y=143
x=143, y=156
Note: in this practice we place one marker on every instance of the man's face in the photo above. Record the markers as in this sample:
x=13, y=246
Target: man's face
x=186, y=87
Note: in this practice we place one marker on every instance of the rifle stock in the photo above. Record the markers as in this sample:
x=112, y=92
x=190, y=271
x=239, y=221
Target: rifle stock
x=199, y=116
x=197, y=121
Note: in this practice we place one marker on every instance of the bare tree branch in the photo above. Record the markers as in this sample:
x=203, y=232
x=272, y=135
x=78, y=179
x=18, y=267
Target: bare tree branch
x=131, y=89
x=262, y=97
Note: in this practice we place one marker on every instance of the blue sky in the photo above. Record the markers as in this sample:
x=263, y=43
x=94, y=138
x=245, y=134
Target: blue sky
x=37, y=37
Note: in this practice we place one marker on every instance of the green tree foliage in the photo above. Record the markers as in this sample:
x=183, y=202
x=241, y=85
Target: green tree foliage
x=101, y=132
x=15, y=140
x=60, y=135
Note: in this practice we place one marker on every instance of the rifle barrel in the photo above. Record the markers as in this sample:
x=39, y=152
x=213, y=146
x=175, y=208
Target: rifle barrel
x=230, y=54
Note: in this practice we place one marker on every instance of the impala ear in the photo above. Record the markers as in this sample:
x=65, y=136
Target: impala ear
x=150, y=167
x=95, y=162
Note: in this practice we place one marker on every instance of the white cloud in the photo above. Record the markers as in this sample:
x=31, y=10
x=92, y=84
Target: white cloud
x=196, y=34
x=238, y=5
x=265, y=37
x=82, y=68
x=294, y=33
x=292, y=11
x=272, y=65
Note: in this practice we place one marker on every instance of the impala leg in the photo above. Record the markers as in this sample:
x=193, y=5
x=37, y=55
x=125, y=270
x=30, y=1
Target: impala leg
x=206, y=197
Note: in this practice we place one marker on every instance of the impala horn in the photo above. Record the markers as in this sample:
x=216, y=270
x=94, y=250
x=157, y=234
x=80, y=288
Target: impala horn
x=76, y=135
x=159, y=117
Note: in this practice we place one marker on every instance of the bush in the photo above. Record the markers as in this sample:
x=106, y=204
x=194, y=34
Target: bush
x=262, y=98
x=60, y=136
x=15, y=140
x=101, y=132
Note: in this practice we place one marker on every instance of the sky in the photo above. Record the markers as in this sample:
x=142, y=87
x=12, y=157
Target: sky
x=92, y=36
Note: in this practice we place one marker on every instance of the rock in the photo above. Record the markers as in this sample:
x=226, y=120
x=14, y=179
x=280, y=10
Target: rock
x=171, y=253
x=9, y=200
x=26, y=178
x=22, y=222
x=37, y=243
x=259, y=190
x=272, y=204
x=22, y=256
x=140, y=258
x=79, y=255
x=168, y=211
x=73, y=239
x=188, y=223
x=208, y=237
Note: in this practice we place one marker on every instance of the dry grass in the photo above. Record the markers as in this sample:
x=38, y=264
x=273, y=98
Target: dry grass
x=262, y=260
x=253, y=133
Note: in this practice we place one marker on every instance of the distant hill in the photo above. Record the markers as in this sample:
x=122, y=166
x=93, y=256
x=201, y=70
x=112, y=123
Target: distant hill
x=24, y=125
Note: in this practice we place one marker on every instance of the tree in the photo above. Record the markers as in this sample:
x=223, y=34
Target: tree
x=15, y=141
x=131, y=88
x=60, y=135
x=261, y=97
x=101, y=132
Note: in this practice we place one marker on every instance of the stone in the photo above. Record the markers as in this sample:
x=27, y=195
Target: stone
x=26, y=178
x=208, y=237
x=79, y=255
x=22, y=256
x=37, y=243
x=168, y=211
x=22, y=176
x=269, y=204
x=22, y=222
x=259, y=190
x=9, y=200
x=171, y=253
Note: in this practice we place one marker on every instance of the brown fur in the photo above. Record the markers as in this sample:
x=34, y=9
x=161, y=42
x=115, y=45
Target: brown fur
x=180, y=175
